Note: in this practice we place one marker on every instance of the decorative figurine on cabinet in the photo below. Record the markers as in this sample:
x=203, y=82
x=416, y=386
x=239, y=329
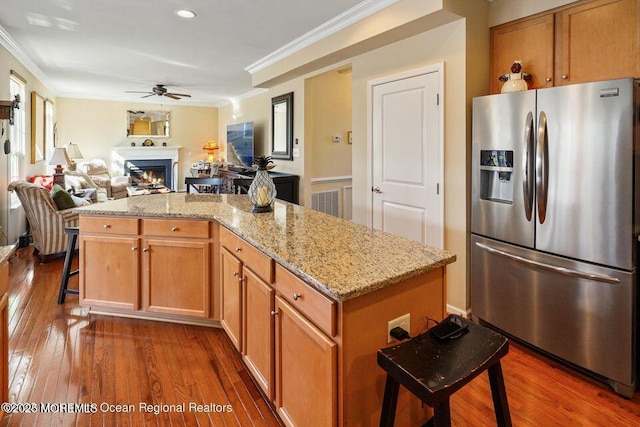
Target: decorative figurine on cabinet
x=515, y=81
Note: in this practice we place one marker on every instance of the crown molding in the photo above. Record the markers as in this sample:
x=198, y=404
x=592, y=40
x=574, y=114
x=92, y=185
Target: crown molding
x=350, y=17
x=14, y=49
x=250, y=94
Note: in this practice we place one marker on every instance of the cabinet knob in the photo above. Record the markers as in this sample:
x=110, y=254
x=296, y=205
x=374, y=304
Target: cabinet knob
x=145, y=250
x=174, y=229
x=296, y=297
x=548, y=79
x=235, y=273
x=238, y=249
x=565, y=77
x=242, y=279
x=106, y=226
x=133, y=249
x=275, y=312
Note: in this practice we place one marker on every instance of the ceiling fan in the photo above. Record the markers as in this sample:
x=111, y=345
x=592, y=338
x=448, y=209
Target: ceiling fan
x=161, y=90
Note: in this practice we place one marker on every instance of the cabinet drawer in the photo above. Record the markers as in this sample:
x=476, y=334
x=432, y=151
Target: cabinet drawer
x=176, y=228
x=108, y=225
x=315, y=306
x=251, y=257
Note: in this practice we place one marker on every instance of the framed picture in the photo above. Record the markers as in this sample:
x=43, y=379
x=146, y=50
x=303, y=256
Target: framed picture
x=37, y=128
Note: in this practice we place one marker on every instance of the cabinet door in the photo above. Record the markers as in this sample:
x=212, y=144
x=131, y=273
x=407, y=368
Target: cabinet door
x=600, y=41
x=258, y=346
x=306, y=370
x=176, y=277
x=528, y=41
x=230, y=295
x=112, y=266
x=4, y=348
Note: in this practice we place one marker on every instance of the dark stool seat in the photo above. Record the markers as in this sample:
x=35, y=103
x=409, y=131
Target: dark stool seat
x=434, y=369
x=66, y=270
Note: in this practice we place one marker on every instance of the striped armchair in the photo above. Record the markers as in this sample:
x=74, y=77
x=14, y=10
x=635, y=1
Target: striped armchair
x=46, y=221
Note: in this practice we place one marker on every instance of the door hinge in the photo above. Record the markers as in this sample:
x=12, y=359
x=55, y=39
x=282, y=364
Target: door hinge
x=437, y=188
x=437, y=99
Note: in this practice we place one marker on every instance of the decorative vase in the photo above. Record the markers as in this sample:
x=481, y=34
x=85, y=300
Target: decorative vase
x=262, y=190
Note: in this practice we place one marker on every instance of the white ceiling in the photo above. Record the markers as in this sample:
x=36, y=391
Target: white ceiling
x=99, y=49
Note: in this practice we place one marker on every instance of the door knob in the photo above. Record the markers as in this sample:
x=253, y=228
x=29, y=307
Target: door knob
x=376, y=189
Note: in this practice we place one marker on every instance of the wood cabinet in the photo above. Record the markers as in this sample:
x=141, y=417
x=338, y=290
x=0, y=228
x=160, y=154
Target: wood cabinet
x=176, y=268
x=109, y=255
x=247, y=300
x=4, y=333
x=145, y=265
x=306, y=370
x=589, y=41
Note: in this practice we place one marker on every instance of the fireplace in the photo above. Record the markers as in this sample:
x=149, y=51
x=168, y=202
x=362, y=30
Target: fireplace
x=149, y=172
x=159, y=163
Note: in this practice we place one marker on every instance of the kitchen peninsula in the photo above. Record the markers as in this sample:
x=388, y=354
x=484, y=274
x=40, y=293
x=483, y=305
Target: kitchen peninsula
x=304, y=297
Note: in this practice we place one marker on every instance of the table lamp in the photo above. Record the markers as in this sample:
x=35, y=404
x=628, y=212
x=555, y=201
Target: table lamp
x=74, y=153
x=59, y=158
x=211, y=147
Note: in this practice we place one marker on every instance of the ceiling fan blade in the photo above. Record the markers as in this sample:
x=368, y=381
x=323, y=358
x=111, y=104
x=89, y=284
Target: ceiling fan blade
x=179, y=94
x=146, y=96
x=135, y=91
x=172, y=96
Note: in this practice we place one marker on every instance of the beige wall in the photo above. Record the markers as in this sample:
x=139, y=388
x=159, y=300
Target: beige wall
x=98, y=126
x=445, y=45
x=328, y=113
x=13, y=222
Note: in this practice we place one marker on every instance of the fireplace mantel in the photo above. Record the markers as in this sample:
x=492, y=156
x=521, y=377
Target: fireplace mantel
x=122, y=154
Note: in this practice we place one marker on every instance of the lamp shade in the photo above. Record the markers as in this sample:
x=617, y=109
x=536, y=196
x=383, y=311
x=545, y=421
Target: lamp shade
x=59, y=157
x=73, y=151
x=211, y=146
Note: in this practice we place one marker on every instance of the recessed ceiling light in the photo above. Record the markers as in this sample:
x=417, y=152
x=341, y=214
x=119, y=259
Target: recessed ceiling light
x=184, y=13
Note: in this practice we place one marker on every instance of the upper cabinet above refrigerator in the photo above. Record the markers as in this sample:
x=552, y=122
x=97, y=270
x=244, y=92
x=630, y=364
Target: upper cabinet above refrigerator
x=583, y=42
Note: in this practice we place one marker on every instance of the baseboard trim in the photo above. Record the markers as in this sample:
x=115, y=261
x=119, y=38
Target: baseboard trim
x=455, y=310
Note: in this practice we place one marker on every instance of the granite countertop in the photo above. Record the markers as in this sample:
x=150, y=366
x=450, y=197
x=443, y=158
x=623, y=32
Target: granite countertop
x=6, y=252
x=340, y=258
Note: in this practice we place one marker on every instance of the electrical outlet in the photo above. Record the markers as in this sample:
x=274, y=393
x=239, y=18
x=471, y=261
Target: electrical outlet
x=403, y=321
x=337, y=138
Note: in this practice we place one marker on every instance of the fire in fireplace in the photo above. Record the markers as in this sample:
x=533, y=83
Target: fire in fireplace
x=149, y=172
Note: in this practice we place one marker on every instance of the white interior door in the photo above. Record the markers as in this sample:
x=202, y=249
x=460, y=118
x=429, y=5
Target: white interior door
x=407, y=157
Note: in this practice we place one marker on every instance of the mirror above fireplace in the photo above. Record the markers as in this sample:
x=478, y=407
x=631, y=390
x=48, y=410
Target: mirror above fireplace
x=145, y=124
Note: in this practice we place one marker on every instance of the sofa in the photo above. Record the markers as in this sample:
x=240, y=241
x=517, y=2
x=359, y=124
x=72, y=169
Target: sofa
x=97, y=169
x=79, y=182
x=46, y=222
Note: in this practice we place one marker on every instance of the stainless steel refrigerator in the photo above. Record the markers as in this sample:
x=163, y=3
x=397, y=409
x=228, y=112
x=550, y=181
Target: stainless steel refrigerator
x=555, y=222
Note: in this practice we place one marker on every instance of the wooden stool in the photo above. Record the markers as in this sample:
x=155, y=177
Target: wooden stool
x=434, y=369
x=66, y=270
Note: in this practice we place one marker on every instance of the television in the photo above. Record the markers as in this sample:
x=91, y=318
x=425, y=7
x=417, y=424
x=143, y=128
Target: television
x=240, y=144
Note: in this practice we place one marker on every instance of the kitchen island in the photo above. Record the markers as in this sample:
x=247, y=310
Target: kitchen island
x=304, y=297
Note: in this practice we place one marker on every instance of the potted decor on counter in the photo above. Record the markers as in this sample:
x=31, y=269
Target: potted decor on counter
x=262, y=190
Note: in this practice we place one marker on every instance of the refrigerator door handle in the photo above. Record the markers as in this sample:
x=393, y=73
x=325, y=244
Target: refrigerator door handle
x=527, y=167
x=547, y=267
x=542, y=167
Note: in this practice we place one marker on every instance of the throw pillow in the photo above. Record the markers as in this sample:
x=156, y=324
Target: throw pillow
x=79, y=201
x=62, y=199
x=45, y=181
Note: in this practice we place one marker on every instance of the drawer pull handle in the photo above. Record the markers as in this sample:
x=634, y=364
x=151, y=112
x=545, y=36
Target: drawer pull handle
x=275, y=313
x=133, y=249
x=296, y=297
x=106, y=226
x=238, y=249
x=174, y=229
x=145, y=250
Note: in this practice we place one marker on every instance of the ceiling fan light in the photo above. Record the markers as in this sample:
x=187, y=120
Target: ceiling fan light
x=184, y=13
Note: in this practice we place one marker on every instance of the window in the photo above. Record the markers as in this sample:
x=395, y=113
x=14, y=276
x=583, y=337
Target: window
x=18, y=136
x=49, y=128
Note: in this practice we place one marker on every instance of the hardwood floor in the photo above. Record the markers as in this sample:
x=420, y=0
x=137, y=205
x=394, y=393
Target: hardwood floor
x=63, y=354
